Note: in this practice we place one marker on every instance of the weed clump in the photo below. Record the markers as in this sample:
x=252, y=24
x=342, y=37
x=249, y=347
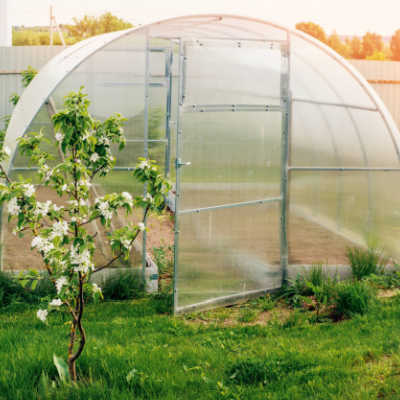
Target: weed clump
x=364, y=262
x=124, y=285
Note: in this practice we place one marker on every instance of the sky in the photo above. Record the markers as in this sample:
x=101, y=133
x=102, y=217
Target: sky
x=346, y=17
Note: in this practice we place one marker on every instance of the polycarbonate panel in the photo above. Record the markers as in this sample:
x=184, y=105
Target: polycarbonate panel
x=228, y=251
x=218, y=26
x=385, y=216
x=234, y=157
x=379, y=145
x=316, y=75
x=328, y=136
x=329, y=212
x=114, y=80
x=43, y=123
x=229, y=72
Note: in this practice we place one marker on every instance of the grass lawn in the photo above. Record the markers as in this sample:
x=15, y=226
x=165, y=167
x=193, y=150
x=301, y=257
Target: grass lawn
x=241, y=352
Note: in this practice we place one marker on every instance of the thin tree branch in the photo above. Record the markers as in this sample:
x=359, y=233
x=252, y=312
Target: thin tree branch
x=107, y=265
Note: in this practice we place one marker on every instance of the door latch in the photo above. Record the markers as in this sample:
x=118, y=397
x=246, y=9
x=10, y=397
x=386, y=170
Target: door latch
x=179, y=163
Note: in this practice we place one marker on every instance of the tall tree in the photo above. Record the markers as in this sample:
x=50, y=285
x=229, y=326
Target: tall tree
x=372, y=43
x=312, y=29
x=336, y=44
x=356, y=48
x=90, y=26
x=395, y=45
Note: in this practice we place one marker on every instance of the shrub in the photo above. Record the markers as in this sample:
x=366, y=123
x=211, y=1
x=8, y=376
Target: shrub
x=363, y=262
x=352, y=298
x=163, y=302
x=124, y=285
x=10, y=290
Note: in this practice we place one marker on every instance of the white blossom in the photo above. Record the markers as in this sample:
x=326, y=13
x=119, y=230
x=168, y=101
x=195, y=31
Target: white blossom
x=29, y=189
x=148, y=198
x=96, y=288
x=7, y=150
x=141, y=226
x=94, y=157
x=56, y=207
x=127, y=197
x=42, y=315
x=143, y=164
x=64, y=187
x=60, y=282
x=59, y=229
x=82, y=260
x=13, y=207
x=55, y=303
x=126, y=243
x=42, y=208
x=104, y=140
x=85, y=183
x=42, y=244
x=104, y=209
x=59, y=137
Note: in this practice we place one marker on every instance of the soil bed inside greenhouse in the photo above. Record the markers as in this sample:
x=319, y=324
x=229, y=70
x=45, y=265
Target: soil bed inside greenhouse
x=18, y=256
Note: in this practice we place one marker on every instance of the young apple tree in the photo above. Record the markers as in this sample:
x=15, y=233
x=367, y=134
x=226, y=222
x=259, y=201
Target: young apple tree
x=60, y=233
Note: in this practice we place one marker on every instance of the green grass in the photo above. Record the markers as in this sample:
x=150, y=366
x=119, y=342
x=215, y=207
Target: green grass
x=169, y=357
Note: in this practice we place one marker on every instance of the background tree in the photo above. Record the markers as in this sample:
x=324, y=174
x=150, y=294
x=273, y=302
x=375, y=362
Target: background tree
x=90, y=26
x=336, y=44
x=356, y=48
x=371, y=43
x=395, y=45
x=312, y=29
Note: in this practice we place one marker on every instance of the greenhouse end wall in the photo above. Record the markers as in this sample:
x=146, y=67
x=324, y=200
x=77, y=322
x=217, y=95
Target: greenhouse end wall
x=281, y=154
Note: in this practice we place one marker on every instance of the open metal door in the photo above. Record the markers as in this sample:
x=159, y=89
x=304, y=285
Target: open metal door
x=157, y=112
x=231, y=171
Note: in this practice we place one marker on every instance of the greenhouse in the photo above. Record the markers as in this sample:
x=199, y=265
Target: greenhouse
x=281, y=154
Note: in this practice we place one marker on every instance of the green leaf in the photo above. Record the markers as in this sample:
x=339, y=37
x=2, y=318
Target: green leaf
x=62, y=368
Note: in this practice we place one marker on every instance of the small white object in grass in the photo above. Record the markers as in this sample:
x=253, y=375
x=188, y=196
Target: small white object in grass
x=141, y=226
x=13, y=207
x=7, y=150
x=55, y=303
x=59, y=136
x=42, y=315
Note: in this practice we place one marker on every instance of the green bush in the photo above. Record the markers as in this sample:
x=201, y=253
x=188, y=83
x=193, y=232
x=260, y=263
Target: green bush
x=124, y=285
x=352, y=298
x=12, y=292
x=386, y=279
x=363, y=262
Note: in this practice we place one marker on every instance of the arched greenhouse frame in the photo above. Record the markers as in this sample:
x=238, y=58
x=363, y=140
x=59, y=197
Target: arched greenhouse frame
x=282, y=155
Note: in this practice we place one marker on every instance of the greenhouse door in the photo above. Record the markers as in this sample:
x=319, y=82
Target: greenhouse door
x=230, y=182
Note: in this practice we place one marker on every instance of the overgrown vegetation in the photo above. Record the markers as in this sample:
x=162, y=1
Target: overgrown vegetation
x=123, y=285
x=364, y=262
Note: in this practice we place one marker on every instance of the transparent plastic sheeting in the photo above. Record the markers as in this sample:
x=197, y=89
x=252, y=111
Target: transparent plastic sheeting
x=226, y=111
x=228, y=251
